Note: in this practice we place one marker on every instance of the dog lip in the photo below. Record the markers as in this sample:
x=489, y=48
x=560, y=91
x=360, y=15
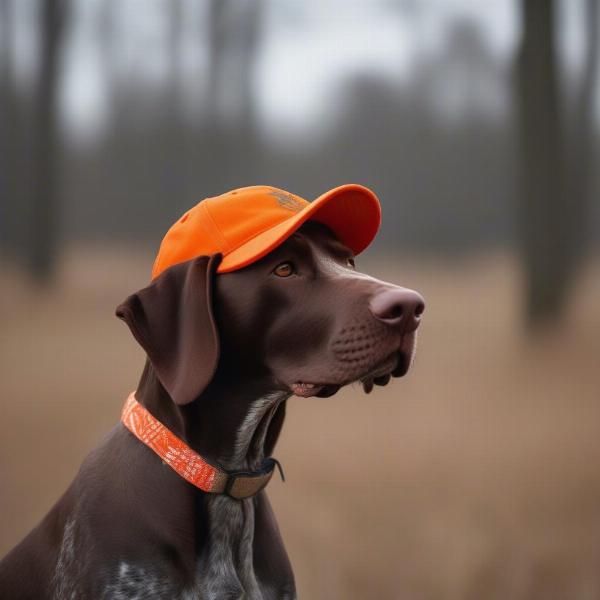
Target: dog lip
x=328, y=390
x=384, y=367
x=403, y=364
x=395, y=364
x=306, y=390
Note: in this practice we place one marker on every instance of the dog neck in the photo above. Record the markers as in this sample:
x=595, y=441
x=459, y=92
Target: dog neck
x=228, y=425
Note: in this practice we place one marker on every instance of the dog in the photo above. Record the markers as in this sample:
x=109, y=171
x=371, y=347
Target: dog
x=226, y=350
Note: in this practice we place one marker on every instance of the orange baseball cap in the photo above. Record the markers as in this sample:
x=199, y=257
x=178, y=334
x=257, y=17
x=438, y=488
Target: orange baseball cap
x=247, y=223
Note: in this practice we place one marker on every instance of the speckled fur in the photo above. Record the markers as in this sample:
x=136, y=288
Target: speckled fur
x=66, y=570
x=225, y=569
x=132, y=582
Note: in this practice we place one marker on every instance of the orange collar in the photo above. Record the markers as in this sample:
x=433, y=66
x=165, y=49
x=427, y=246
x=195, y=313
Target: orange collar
x=189, y=464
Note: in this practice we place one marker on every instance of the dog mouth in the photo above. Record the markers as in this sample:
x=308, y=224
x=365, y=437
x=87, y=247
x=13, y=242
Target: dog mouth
x=394, y=365
x=320, y=390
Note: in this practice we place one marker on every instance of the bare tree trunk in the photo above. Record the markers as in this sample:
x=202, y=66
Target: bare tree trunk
x=234, y=31
x=543, y=206
x=582, y=145
x=216, y=166
x=247, y=115
x=9, y=147
x=43, y=221
x=176, y=157
x=216, y=50
x=246, y=60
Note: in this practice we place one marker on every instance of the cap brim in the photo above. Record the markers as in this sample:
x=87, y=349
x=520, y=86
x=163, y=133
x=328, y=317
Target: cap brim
x=351, y=211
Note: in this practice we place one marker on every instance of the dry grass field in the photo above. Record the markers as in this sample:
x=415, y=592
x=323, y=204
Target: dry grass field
x=476, y=477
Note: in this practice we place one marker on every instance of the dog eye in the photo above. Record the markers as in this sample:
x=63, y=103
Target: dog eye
x=284, y=269
x=350, y=262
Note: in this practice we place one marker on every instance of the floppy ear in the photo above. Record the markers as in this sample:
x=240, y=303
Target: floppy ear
x=172, y=319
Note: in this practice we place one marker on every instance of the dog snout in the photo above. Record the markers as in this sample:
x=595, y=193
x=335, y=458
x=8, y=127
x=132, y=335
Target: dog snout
x=398, y=307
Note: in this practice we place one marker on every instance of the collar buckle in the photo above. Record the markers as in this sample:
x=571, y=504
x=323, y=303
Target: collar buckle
x=244, y=484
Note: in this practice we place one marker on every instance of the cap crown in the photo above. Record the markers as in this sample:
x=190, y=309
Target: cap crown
x=226, y=222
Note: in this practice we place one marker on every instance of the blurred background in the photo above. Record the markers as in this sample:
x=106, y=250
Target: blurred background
x=477, y=125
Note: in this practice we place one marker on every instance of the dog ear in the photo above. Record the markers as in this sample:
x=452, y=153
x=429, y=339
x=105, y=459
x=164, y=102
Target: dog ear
x=173, y=321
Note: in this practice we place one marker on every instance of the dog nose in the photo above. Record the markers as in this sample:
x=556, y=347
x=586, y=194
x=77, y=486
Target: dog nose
x=398, y=307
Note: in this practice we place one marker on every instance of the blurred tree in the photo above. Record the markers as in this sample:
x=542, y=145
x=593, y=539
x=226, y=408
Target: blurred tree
x=554, y=162
x=216, y=49
x=233, y=34
x=249, y=38
x=43, y=219
x=174, y=174
x=8, y=129
x=217, y=44
x=581, y=144
x=542, y=201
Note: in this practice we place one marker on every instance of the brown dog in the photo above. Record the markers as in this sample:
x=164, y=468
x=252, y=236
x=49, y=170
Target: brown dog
x=300, y=320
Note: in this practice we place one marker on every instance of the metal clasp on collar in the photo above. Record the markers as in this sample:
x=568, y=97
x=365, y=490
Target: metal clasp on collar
x=244, y=484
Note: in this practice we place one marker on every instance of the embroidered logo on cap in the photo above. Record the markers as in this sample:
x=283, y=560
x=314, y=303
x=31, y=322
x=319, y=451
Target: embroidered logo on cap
x=287, y=201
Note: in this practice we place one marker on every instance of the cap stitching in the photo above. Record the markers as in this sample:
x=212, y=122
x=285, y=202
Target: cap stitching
x=217, y=230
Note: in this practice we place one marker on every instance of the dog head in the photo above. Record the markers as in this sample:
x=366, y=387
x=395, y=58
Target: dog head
x=301, y=319
x=321, y=324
